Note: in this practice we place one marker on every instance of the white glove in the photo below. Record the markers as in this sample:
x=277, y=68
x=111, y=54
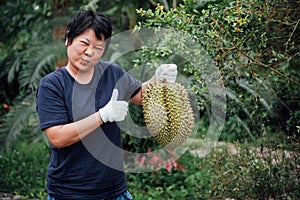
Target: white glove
x=166, y=72
x=114, y=110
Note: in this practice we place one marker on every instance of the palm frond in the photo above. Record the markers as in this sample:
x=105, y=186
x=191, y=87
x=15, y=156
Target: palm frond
x=22, y=115
x=39, y=60
x=16, y=64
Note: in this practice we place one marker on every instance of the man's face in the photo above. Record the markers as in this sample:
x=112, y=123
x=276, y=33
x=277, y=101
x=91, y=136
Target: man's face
x=85, y=51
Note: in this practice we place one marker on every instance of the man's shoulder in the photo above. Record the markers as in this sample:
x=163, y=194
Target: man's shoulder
x=107, y=64
x=109, y=67
x=57, y=73
x=54, y=78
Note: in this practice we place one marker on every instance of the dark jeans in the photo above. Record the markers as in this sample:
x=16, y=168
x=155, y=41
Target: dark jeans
x=124, y=196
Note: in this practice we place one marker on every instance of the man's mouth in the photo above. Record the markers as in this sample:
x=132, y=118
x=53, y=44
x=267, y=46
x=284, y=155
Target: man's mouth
x=84, y=62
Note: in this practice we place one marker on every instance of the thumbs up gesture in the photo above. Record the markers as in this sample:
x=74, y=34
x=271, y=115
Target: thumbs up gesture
x=114, y=110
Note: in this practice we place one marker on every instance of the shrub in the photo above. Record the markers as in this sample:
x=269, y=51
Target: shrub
x=164, y=184
x=247, y=174
x=23, y=169
x=250, y=174
x=253, y=45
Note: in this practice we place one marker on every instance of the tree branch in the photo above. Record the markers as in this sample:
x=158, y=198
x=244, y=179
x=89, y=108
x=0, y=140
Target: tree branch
x=153, y=2
x=263, y=65
x=174, y=3
x=167, y=8
x=287, y=42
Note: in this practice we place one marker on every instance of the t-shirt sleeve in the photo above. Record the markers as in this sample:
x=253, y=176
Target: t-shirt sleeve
x=50, y=104
x=127, y=84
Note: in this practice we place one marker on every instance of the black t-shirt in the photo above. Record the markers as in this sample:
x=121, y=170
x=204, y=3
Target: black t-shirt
x=93, y=167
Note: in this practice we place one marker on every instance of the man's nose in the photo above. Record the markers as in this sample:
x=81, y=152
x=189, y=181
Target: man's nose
x=89, y=51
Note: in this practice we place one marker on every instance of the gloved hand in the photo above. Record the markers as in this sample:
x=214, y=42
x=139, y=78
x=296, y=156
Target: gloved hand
x=166, y=72
x=114, y=110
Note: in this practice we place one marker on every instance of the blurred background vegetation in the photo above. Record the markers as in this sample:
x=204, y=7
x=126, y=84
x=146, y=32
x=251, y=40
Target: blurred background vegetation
x=255, y=49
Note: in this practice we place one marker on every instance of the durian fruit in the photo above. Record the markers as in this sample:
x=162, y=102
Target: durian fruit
x=168, y=113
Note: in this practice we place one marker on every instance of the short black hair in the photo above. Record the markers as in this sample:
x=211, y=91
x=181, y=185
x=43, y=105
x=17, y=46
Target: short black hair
x=86, y=19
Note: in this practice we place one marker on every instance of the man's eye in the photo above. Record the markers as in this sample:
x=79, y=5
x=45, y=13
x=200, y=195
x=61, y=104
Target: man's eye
x=99, y=49
x=85, y=43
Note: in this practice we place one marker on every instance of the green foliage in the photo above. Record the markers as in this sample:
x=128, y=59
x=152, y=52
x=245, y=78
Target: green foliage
x=253, y=174
x=19, y=22
x=23, y=169
x=162, y=184
x=253, y=47
x=32, y=45
x=31, y=52
x=248, y=174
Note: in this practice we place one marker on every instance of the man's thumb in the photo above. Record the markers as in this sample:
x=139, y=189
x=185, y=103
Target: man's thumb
x=114, y=96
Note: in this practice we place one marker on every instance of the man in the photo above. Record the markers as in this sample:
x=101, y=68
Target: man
x=79, y=107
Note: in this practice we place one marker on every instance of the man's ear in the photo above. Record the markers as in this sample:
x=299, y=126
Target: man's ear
x=66, y=42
